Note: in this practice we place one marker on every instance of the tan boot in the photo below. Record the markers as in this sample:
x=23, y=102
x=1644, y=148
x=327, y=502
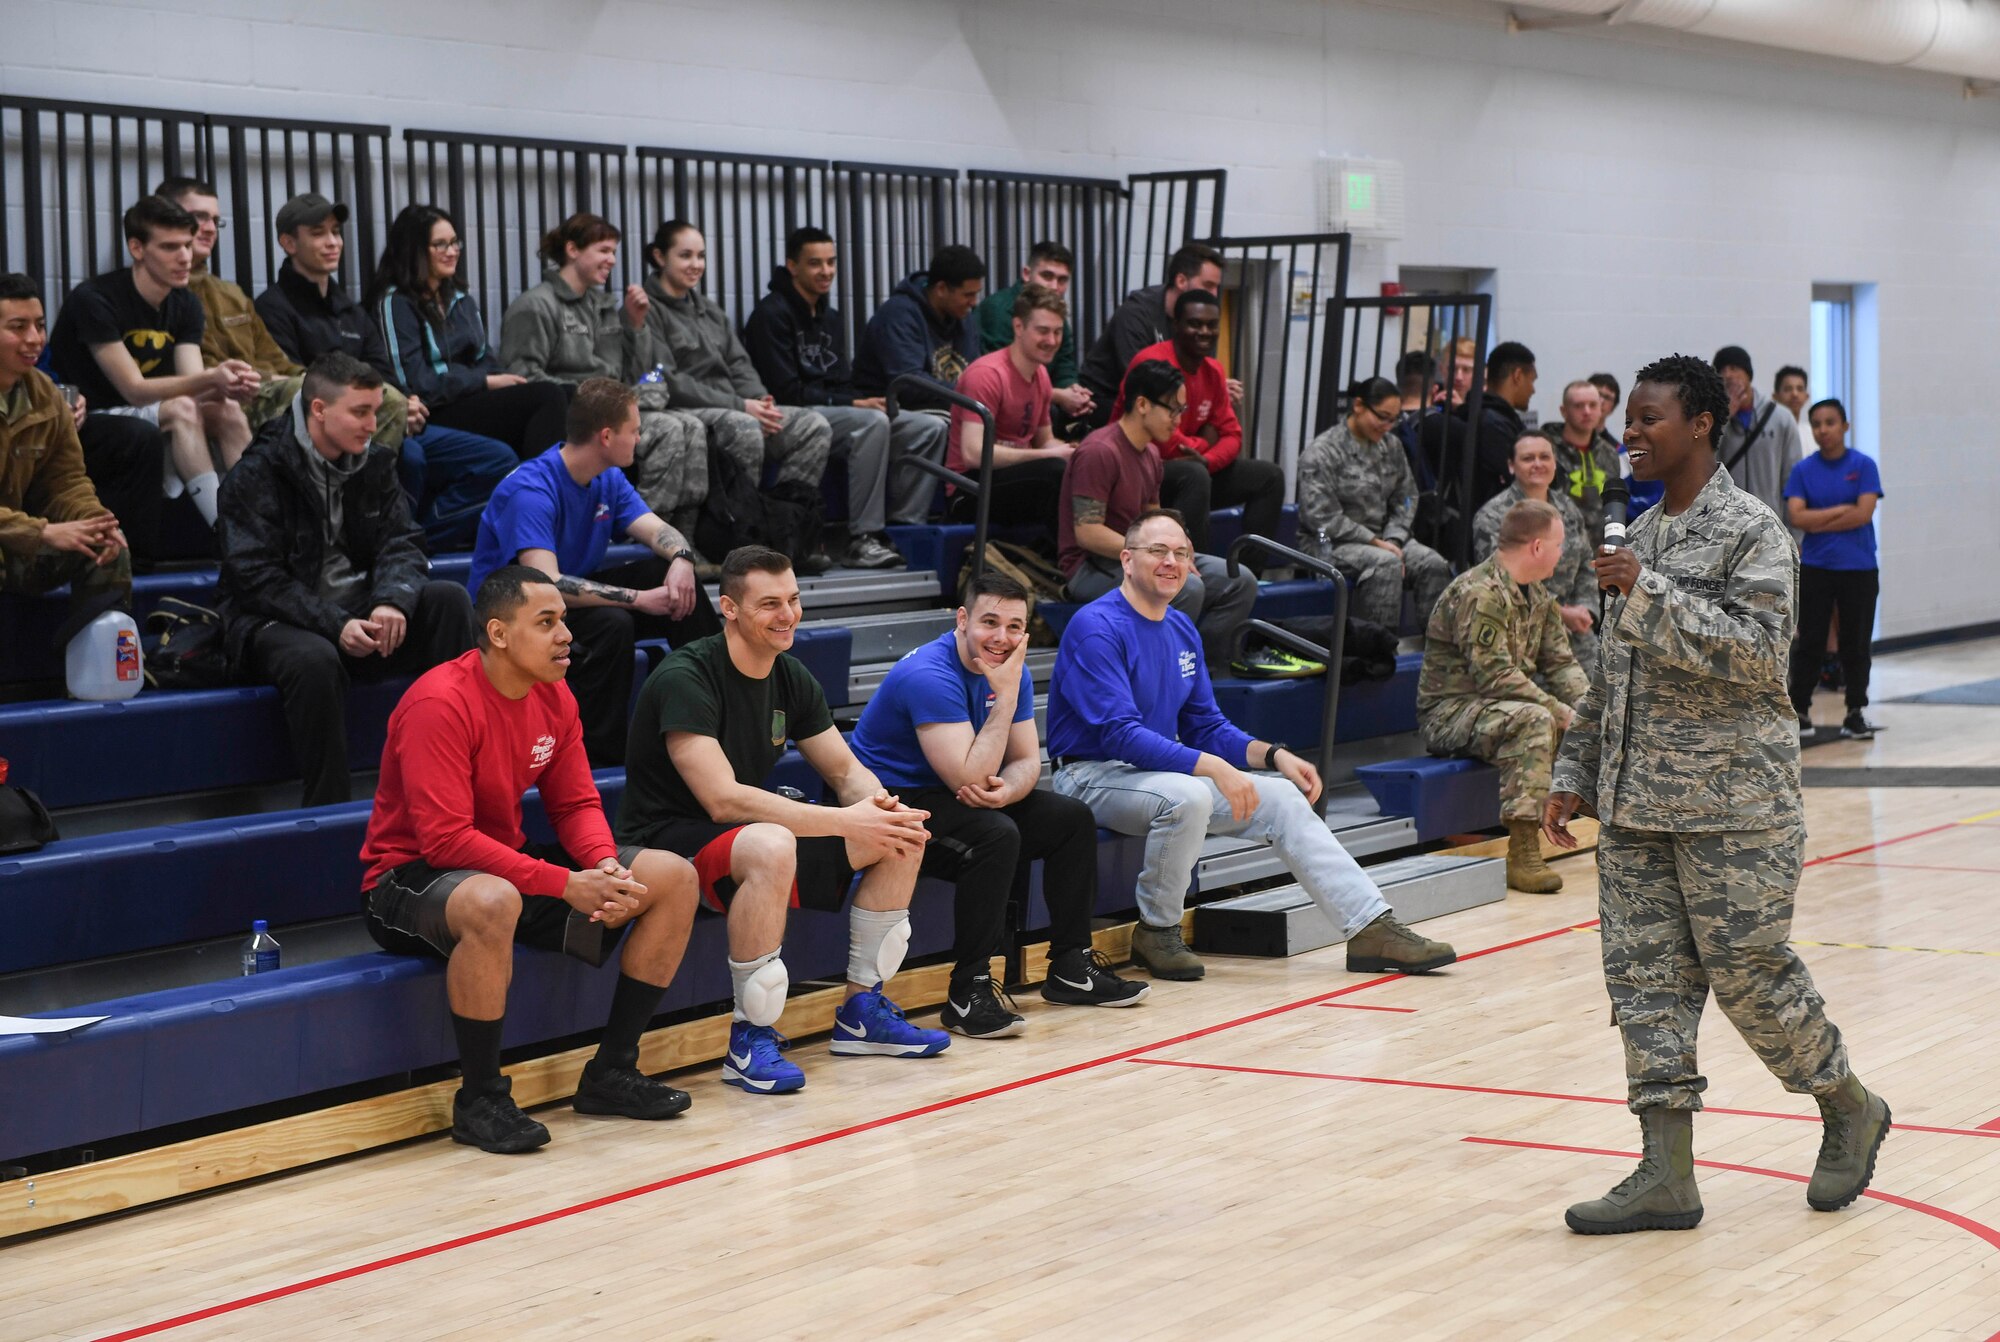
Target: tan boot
x=1526, y=871
x=1385, y=946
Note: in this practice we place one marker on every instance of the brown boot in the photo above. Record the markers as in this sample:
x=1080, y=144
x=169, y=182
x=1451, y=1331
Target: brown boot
x=1526, y=871
x=1385, y=946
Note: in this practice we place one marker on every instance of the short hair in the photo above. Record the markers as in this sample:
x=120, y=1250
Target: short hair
x=1154, y=379
x=1526, y=521
x=1733, y=356
x=1199, y=298
x=173, y=188
x=1415, y=363
x=1171, y=514
x=953, y=265
x=18, y=288
x=663, y=238
x=993, y=583
x=1698, y=386
x=600, y=403
x=1372, y=391
x=1504, y=358
x=149, y=214
x=501, y=593
x=578, y=231
x=1536, y=435
x=1606, y=382
x=1052, y=251
x=1188, y=262
x=1580, y=382
x=803, y=237
x=1830, y=403
x=1791, y=370
x=1035, y=298
x=335, y=372
x=745, y=560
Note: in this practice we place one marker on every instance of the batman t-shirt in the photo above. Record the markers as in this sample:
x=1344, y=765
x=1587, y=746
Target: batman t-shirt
x=110, y=309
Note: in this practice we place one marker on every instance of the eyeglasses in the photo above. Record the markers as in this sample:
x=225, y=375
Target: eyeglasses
x=1156, y=553
x=203, y=217
x=1381, y=416
x=1176, y=409
x=448, y=245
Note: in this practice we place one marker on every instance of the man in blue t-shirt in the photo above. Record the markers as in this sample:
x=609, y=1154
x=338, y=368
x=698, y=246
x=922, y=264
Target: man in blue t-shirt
x=1135, y=735
x=952, y=731
x=558, y=512
x=1831, y=497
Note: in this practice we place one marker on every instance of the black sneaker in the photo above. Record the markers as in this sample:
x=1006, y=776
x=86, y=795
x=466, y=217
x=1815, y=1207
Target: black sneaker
x=1857, y=728
x=974, y=1010
x=1084, y=978
x=626, y=1092
x=490, y=1120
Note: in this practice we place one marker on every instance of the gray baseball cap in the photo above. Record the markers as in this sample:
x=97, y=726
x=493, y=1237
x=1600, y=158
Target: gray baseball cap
x=306, y=210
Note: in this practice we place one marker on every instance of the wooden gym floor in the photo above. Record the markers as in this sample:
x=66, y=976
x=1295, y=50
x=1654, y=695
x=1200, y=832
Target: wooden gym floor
x=1283, y=1150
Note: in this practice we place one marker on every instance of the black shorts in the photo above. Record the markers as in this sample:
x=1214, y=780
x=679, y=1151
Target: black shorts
x=821, y=881
x=405, y=912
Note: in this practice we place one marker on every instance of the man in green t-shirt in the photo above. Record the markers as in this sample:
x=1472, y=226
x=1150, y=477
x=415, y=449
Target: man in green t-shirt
x=1050, y=264
x=710, y=724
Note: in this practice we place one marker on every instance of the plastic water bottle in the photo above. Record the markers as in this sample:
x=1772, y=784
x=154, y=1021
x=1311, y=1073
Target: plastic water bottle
x=658, y=375
x=102, y=662
x=260, y=953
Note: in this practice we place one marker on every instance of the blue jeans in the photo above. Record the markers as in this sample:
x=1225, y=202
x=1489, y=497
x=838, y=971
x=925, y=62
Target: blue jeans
x=449, y=474
x=1174, y=812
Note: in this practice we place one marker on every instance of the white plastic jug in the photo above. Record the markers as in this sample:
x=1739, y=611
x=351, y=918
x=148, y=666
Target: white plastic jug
x=102, y=662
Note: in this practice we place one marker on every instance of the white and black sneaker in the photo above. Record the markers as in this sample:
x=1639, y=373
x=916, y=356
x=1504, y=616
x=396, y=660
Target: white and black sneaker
x=975, y=1010
x=1806, y=728
x=1084, y=978
x=1857, y=728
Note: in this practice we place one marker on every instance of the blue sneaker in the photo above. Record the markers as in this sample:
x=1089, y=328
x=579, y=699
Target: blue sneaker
x=869, y=1023
x=755, y=1063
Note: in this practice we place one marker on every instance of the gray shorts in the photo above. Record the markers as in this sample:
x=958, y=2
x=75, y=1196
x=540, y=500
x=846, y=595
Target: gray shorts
x=405, y=912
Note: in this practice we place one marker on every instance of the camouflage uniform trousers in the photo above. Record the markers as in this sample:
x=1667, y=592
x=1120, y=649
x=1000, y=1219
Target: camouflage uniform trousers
x=46, y=570
x=1519, y=739
x=670, y=466
x=1684, y=912
x=800, y=448
x=1379, y=578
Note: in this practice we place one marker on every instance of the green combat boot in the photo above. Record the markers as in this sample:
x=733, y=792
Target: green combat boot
x=1659, y=1194
x=1164, y=954
x=1385, y=946
x=1856, y=1122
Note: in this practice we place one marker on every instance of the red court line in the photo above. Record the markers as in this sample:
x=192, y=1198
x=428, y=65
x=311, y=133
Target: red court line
x=1919, y=866
x=1363, y=1006
x=820, y=1139
x=1882, y=843
x=1984, y=1130
x=1951, y=1218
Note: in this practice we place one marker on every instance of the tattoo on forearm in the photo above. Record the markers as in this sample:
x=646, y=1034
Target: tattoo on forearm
x=1086, y=511
x=667, y=540
x=569, y=586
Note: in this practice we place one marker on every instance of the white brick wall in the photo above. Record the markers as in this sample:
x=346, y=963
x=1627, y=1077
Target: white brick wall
x=1636, y=192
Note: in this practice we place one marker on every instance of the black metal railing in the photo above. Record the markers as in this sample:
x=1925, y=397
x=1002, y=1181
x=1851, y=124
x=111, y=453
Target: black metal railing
x=1010, y=212
x=1329, y=656
x=1369, y=336
x=981, y=488
x=892, y=218
x=1165, y=210
x=264, y=162
x=744, y=204
x=506, y=192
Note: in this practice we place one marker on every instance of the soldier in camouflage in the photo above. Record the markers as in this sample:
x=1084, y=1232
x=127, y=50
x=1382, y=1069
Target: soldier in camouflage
x=1685, y=752
x=1495, y=640
x=1573, y=584
x=1357, y=498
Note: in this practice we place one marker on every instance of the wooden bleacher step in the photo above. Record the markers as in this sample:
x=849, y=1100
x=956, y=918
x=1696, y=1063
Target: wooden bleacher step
x=1284, y=921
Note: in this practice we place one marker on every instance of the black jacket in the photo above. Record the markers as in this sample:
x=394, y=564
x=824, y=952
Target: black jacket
x=306, y=324
x=800, y=351
x=1500, y=427
x=1141, y=320
x=271, y=514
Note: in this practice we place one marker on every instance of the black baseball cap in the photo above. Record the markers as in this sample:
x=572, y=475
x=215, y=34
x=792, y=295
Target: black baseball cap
x=306, y=210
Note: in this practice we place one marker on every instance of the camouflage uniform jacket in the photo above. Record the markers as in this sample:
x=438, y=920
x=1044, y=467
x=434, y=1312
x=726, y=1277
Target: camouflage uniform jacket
x=1352, y=491
x=1574, y=583
x=1689, y=727
x=1489, y=637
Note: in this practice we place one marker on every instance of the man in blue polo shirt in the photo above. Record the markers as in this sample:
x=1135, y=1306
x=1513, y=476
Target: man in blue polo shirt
x=952, y=730
x=1135, y=735
x=1831, y=497
x=558, y=512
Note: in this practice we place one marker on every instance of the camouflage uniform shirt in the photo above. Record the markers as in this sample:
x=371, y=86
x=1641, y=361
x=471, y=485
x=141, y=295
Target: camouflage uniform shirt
x=1689, y=727
x=1488, y=638
x=1352, y=491
x=1574, y=583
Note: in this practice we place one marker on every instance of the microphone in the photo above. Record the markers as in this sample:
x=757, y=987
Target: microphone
x=1616, y=499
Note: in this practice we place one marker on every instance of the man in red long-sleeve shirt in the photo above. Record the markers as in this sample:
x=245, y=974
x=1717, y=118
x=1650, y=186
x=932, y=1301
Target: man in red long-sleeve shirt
x=1205, y=465
x=450, y=873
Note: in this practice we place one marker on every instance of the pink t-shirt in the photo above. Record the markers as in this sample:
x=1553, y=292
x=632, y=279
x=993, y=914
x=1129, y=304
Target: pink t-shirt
x=1020, y=406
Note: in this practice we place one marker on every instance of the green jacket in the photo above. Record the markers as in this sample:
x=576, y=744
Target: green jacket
x=554, y=333
x=996, y=331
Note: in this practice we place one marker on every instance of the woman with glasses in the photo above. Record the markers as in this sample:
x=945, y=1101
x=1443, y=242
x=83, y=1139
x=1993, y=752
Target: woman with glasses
x=437, y=340
x=1357, y=498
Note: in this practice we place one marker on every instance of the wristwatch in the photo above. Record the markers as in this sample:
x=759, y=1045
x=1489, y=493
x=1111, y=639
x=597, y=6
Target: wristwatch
x=1271, y=753
x=680, y=554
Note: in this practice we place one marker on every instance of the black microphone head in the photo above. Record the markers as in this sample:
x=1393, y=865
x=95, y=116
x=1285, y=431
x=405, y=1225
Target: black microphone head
x=1617, y=498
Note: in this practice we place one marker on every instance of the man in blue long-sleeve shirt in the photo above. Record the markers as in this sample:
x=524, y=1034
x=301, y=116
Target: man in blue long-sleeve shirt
x=1135, y=735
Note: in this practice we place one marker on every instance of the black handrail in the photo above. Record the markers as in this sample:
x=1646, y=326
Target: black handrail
x=1284, y=638
x=982, y=488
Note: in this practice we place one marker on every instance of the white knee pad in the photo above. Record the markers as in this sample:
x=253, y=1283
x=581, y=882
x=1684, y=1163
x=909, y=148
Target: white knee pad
x=763, y=995
x=889, y=957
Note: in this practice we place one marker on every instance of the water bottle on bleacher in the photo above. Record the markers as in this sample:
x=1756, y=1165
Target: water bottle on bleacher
x=654, y=378
x=260, y=953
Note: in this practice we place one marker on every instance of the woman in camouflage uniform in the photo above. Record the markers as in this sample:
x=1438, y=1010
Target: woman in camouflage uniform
x=1573, y=584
